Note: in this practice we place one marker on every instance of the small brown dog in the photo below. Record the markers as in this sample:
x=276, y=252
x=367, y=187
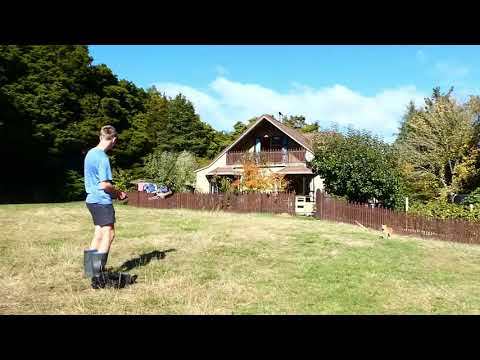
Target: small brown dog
x=387, y=231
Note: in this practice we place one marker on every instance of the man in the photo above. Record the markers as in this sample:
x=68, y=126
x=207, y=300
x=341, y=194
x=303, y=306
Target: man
x=100, y=192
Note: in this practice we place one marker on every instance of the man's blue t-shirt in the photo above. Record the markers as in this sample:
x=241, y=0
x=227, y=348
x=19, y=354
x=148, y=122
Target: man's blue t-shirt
x=96, y=170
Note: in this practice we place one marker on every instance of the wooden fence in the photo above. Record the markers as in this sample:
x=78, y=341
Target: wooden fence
x=243, y=203
x=328, y=208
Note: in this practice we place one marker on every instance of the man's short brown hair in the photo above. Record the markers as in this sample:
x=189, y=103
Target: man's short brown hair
x=108, y=132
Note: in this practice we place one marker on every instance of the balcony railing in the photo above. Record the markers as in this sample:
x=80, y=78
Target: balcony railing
x=267, y=157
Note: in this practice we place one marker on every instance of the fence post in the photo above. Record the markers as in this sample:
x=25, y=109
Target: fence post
x=317, y=204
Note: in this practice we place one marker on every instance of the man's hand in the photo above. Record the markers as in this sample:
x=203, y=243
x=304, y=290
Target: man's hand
x=122, y=195
x=108, y=187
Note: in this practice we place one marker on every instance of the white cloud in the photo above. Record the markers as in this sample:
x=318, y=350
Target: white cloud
x=226, y=102
x=208, y=107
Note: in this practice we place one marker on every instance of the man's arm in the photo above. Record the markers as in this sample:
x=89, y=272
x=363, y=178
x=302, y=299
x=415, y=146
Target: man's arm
x=108, y=187
x=105, y=174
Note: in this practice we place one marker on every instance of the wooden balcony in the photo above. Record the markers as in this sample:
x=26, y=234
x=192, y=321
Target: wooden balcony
x=267, y=157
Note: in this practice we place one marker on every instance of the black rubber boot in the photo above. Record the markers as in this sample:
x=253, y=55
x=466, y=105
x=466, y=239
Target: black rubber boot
x=102, y=279
x=98, y=263
x=99, y=281
x=88, y=263
x=104, y=261
x=98, y=276
x=116, y=280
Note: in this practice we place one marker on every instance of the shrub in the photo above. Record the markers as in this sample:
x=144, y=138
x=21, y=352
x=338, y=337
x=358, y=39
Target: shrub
x=225, y=184
x=175, y=170
x=256, y=179
x=159, y=167
x=74, y=189
x=473, y=197
x=444, y=210
x=183, y=171
x=122, y=179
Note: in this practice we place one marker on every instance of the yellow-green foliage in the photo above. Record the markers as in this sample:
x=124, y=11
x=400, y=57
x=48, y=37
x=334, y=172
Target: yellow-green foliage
x=259, y=179
x=122, y=179
x=444, y=210
x=437, y=148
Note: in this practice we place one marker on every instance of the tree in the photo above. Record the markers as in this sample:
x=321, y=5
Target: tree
x=436, y=148
x=473, y=107
x=175, y=170
x=238, y=129
x=358, y=166
x=437, y=95
x=295, y=122
x=402, y=131
x=184, y=129
x=160, y=167
x=220, y=140
x=298, y=122
x=311, y=128
x=148, y=128
x=184, y=175
x=53, y=101
x=41, y=88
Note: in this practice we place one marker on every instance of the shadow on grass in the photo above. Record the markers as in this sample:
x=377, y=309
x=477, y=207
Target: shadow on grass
x=110, y=279
x=143, y=259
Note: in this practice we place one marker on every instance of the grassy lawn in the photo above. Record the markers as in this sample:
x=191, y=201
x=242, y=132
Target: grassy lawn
x=224, y=263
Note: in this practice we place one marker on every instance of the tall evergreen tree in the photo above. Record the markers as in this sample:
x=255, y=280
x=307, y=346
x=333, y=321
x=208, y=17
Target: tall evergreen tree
x=53, y=101
x=407, y=117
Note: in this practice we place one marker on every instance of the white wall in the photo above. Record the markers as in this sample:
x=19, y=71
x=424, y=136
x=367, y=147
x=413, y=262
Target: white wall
x=308, y=156
x=202, y=185
x=316, y=184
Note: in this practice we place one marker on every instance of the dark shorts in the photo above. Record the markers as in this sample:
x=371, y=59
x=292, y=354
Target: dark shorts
x=102, y=214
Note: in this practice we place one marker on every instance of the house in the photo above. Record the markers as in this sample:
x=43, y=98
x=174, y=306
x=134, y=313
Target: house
x=282, y=150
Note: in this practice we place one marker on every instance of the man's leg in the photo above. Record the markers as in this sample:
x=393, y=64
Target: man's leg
x=107, y=235
x=104, y=279
x=97, y=238
x=101, y=256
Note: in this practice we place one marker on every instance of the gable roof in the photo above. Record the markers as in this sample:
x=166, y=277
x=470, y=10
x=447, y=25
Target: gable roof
x=305, y=141
x=296, y=135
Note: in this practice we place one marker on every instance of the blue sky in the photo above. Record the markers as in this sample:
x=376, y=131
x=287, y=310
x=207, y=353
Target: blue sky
x=361, y=86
